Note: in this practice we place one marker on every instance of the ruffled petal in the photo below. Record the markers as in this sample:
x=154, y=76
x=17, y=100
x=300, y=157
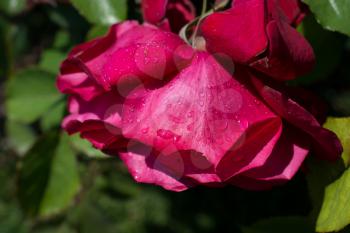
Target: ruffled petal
x=147, y=167
x=84, y=62
x=281, y=166
x=326, y=142
x=291, y=11
x=154, y=10
x=97, y=120
x=95, y=66
x=252, y=150
x=159, y=55
x=286, y=158
x=203, y=109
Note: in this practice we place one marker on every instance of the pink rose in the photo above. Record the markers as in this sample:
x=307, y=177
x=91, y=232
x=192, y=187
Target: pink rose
x=169, y=14
x=179, y=117
x=261, y=35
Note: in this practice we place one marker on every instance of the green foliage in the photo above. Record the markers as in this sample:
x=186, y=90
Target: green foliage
x=20, y=136
x=105, y=12
x=335, y=212
x=51, y=59
x=52, y=119
x=341, y=127
x=320, y=174
x=281, y=224
x=320, y=39
x=332, y=14
x=12, y=6
x=48, y=177
x=30, y=94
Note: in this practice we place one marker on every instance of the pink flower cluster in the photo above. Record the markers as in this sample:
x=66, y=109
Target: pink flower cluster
x=180, y=116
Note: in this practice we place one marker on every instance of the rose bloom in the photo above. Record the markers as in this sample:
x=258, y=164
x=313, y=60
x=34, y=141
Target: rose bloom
x=179, y=117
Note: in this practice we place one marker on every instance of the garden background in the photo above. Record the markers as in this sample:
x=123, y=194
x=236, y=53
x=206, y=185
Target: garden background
x=52, y=183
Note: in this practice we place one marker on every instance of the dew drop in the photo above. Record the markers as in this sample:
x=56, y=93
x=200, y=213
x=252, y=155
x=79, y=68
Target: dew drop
x=176, y=138
x=165, y=134
x=145, y=130
x=190, y=127
x=190, y=114
x=245, y=124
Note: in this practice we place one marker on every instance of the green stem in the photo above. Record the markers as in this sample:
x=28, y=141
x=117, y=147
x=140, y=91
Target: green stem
x=203, y=14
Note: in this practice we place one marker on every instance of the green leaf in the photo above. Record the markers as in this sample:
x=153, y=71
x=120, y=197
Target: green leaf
x=56, y=229
x=326, y=44
x=335, y=212
x=103, y=12
x=62, y=39
x=12, y=6
x=49, y=177
x=332, y=14
x=341, y=127
x=20, y=136
x=51, y=60
x=281, y=224
x=83, y=146
x=11, y=219
x=30, y=94
x=53, y=118
x=97, y=31
x=320, y=174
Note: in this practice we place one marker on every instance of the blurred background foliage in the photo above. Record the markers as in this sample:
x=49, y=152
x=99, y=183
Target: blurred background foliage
x=52, y=183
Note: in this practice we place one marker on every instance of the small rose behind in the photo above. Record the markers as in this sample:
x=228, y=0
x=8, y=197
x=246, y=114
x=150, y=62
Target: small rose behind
x=168, y=14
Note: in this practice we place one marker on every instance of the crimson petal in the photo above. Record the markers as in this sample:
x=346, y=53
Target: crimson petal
x=203, y=109
x=327, y=144
x=238, y=32
x=289, y=55
x=97, y=120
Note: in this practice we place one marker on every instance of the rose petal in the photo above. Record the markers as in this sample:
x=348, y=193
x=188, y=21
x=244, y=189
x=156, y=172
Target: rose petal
x=144, y=167
x=253, y=150
x=177, y=12
x=85, y=67
x=326, y=142
x=154, y=58
x=281, y=166
x=289, y=55
x=78, y=71
x=238, y=32
x=291, y=11
x=286, y=158
x=154, y=10
x=97, y=120
x=203, y=109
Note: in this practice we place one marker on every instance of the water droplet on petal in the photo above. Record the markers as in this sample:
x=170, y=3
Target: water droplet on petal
x=145, y=130
x=190, y=114
x=190, y=127
x=166, y=134
x=244, y=124
x=176, y=138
